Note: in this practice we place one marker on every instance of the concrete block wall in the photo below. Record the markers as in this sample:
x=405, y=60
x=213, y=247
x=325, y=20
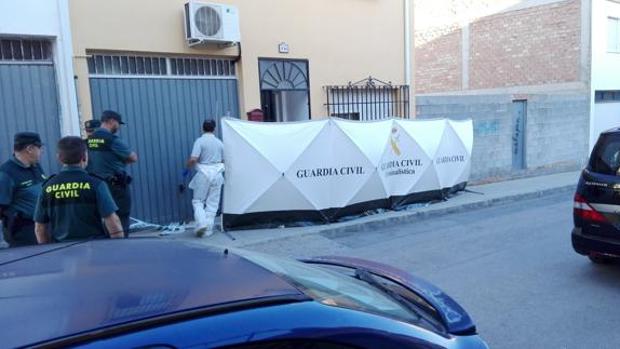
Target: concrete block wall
x=556, y=131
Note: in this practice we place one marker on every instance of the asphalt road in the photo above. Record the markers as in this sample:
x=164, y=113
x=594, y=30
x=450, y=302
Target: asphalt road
x=512, y=267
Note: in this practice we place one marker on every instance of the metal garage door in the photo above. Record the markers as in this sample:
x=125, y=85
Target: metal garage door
x=164, y=102
x=28, y=96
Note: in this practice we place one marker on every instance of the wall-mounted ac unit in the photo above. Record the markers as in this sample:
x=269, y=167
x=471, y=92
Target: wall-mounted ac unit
x=211, y=23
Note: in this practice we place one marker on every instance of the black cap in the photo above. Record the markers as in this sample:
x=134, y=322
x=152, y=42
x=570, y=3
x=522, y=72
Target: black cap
x=111, y=115
x=24, y=139
x=92, y=124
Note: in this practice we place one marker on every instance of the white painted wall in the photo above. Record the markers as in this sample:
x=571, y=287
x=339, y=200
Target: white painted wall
x=607, y=116
x=296, y=105
x=49, y=19
x=605, y=65
x=605, y=69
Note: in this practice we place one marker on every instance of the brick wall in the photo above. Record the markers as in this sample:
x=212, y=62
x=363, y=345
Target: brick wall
x=533, y=46
x=441, y=62
x=526, y=46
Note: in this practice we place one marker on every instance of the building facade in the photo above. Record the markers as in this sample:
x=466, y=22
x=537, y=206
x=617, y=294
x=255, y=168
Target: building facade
x=527, y=72
x=605, y=74
x=37, y=92
x=295, y=60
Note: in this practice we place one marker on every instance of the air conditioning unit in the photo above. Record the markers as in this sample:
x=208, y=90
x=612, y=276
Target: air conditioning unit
x=211, y=23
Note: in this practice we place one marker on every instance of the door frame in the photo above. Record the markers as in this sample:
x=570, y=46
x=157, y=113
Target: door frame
x=518, y=103
x=308, y=89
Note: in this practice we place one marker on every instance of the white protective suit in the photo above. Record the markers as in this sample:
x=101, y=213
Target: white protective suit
x=207, y=187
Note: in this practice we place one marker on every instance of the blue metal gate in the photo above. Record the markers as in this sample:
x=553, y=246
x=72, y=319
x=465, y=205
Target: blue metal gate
x=164, y=116
x=28, y=97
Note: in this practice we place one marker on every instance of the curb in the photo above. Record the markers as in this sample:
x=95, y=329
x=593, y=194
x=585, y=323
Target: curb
x=429, y=212
x=397, y=218
x=392, y=218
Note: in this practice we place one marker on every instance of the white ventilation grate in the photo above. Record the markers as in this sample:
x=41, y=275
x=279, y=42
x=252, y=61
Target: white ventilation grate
x=25, y=50
x=125, y=65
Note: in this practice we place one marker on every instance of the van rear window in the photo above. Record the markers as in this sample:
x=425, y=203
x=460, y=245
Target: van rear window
x=605, y=158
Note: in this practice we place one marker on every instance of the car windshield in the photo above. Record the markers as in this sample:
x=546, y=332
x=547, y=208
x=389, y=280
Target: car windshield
x=606, y=156
x=335, y=289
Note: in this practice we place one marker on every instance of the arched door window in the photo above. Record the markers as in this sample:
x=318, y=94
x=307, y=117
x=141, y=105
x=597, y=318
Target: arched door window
x=284, y=86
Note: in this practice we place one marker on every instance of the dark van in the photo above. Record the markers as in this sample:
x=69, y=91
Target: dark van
x=596, y=209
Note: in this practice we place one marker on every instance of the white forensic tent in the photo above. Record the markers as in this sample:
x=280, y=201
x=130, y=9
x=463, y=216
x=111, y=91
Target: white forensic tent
x=319, y=171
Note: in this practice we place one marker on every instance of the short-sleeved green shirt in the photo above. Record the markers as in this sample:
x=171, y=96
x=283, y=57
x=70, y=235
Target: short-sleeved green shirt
x=74, y=204
x=107, y=154
x=20, y=186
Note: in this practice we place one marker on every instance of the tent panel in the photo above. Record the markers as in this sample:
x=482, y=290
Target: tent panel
x=330, y=169
x=465, y=131
x=321, y=170
x=451, y=159
x=373, y=189
x=427, y=133
x=429, y=181
x=281, y=143
x=403, y=162
x=281, y=196
x=248, y=173
x=370, y=137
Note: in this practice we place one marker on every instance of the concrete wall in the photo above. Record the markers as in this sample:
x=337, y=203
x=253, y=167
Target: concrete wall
x=345, y=40
x=47, y=19
x=556, y=131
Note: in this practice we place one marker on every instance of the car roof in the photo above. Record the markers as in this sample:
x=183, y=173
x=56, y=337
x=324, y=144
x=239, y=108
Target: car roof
x=611, y=131
x=53, y=292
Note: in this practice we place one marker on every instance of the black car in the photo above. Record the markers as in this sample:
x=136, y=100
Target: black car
x=596, y=209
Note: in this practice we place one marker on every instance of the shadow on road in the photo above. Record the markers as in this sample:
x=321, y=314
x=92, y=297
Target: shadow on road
x=607, y=275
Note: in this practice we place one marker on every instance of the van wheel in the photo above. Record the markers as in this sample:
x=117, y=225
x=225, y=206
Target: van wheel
x=599, y=259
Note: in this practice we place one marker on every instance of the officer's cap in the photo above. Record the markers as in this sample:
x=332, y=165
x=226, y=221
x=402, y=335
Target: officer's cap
x=90, y=125
x=111, y=115
x=23, y=139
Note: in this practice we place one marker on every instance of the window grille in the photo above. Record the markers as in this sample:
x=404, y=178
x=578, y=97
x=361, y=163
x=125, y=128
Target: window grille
x=126, y=65
x=25, y=50
x=369, y=99
x=607, y=96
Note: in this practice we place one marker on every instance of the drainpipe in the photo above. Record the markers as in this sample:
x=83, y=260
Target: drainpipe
x=406, y=4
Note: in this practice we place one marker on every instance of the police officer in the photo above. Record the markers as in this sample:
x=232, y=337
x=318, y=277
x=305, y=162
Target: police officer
x=21, y=178
x=90, y=126
x=73, y=203
x=108, y=159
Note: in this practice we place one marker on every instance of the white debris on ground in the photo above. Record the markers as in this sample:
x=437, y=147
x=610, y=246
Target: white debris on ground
x=138, y=226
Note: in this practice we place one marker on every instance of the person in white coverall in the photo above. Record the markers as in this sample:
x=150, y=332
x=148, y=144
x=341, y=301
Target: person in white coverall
x=208, y=159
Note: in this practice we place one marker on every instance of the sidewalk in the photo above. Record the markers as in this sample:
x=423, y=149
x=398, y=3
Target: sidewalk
x=475, y=197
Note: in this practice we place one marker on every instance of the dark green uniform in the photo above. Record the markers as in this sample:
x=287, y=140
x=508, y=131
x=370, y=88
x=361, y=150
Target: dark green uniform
x=74, y=204
x=20, y=187
x=107, y=159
